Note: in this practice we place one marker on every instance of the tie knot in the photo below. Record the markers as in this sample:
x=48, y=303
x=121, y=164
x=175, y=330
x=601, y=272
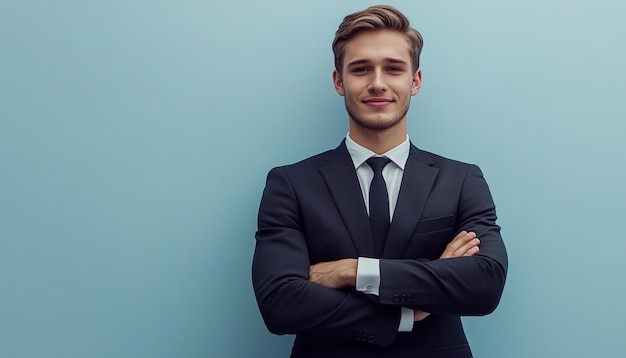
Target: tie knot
x=378, y=163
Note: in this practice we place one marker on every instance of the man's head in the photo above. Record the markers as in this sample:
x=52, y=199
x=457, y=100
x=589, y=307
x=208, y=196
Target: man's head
x=380, y=17
x=377, y=72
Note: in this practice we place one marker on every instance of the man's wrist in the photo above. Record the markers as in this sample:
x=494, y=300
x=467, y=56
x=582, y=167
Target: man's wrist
x=350, y=275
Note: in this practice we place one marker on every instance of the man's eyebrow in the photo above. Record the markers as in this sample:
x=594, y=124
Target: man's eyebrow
x=387, y=60
x=396, y=60
x=358, y=62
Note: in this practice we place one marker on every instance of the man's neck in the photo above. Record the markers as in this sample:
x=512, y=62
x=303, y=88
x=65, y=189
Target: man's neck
x=379, y=141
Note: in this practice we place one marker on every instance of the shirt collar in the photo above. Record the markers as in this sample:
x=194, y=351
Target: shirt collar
x=360, y=154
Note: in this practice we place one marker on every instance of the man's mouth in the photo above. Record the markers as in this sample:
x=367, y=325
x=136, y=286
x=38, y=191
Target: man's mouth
x=377, y=102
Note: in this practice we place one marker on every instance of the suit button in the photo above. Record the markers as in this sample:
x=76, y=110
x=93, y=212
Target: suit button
x=396, y=299
x=371, y=339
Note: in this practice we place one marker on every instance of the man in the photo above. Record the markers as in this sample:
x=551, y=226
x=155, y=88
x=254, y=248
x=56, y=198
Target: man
x=377, y=257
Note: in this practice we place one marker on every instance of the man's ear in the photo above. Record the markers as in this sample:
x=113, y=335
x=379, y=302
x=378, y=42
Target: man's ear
x=338, y=82
x=417, y=82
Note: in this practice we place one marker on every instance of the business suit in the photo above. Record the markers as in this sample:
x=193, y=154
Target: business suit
x=313, y=211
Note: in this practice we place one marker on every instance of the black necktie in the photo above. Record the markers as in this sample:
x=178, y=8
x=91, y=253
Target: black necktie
x=379, y=204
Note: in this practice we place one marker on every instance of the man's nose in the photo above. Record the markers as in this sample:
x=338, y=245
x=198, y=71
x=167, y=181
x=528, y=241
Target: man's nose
x=377, y=83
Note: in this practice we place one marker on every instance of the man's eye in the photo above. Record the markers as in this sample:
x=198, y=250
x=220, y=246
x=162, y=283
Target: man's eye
x=359, y=70
x=395, y=69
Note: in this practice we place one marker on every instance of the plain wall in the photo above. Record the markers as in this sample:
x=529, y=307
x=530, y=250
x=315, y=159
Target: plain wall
x=135, y=137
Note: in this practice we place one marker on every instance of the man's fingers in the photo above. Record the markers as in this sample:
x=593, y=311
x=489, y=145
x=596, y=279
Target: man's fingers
x=472, y=251
x=469, y=248
x=461, y=239
x=464, y=244
x=419, y=315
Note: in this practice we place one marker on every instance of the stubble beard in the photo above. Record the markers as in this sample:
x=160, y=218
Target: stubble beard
x=379, y=125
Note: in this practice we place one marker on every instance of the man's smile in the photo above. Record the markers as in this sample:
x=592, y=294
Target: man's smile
x=377, y=101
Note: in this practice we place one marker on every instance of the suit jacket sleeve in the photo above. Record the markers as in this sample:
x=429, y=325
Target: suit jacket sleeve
x=458, y=286
x=288, y=302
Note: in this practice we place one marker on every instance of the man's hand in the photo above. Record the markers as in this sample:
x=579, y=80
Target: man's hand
x=464, y=244
x=334, y=274
x=419, y=315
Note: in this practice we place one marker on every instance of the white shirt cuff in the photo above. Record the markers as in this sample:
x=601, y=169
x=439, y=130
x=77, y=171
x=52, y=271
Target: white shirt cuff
x=406, y=320
x=368, y=276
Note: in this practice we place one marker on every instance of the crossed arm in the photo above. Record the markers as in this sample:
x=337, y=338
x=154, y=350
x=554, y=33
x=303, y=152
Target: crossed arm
x=342, y=273
x=320, y=299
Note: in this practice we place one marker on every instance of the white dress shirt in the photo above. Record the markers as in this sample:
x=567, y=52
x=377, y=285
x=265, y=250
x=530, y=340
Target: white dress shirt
x=368, y=269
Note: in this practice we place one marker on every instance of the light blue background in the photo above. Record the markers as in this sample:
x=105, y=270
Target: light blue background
x=135, y=137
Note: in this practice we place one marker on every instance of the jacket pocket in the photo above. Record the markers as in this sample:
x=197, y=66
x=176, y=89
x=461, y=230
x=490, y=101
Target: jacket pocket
x=435, y=224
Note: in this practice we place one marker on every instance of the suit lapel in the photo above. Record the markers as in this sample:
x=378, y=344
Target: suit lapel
x=417, y=181
x=344, y=186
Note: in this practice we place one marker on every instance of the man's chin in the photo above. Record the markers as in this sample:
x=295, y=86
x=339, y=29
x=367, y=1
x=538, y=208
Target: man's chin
x=377, y=124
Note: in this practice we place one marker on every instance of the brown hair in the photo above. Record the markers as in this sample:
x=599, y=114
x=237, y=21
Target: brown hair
x=380, y=17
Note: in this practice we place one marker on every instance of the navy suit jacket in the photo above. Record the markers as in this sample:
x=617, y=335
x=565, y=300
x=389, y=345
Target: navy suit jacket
x=313, y=211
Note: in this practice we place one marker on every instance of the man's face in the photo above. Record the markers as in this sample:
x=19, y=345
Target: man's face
x=377, y=80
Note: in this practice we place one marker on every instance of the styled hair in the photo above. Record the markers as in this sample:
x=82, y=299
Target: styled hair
x=380, y=17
